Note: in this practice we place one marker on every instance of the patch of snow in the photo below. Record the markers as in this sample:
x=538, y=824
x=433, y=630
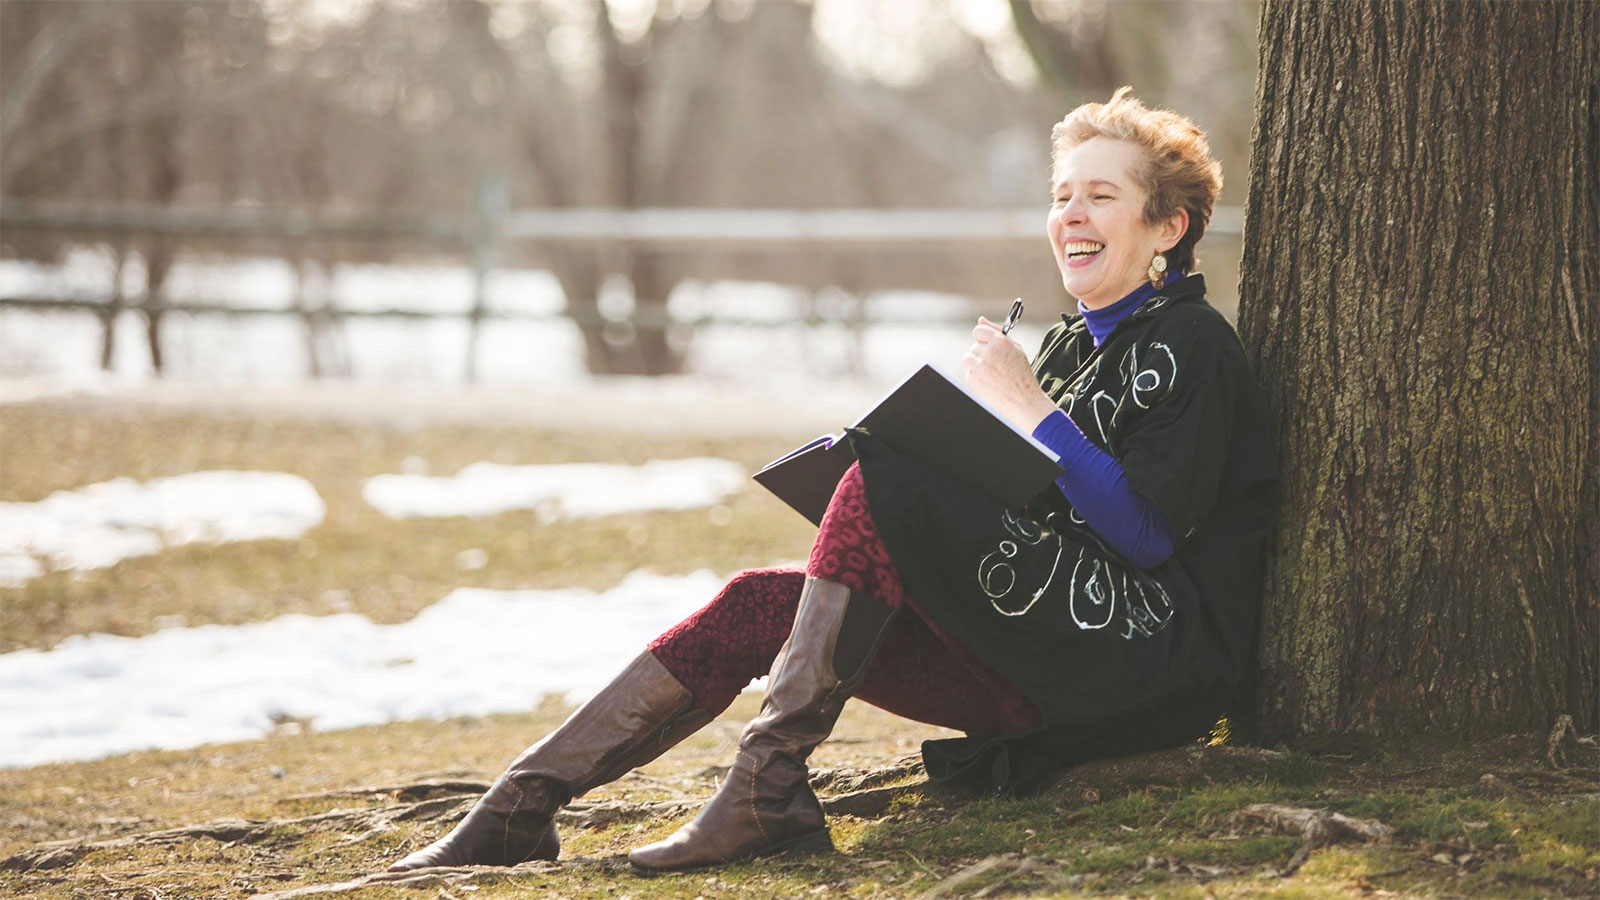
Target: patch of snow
x=567, y=491
x=34, y=388
x=17, y=570
x=101, y=524
x=476, y=652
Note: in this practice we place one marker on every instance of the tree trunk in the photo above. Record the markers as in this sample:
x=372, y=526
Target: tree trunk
x=108, y=318
x=651, y=288
x=302, y=305
x=645, y=348
x=1418, y=293
x=158, y=262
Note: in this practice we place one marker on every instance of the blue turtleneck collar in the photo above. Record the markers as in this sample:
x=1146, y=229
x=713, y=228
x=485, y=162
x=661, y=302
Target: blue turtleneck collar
x=1103, y=321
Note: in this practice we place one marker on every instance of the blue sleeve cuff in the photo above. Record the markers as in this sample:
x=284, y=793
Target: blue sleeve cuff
x=1097, y=487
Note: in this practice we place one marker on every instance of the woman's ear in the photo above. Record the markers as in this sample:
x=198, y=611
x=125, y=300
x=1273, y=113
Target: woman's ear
x=1173, y=229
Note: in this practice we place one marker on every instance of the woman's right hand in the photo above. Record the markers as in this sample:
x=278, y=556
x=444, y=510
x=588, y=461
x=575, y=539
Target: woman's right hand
x=998, y=371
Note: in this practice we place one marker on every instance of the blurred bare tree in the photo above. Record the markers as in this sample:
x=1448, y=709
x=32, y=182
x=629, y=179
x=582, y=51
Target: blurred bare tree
x=1198, y=58
x=390, y=108
x=117, y=103
x=717, y=111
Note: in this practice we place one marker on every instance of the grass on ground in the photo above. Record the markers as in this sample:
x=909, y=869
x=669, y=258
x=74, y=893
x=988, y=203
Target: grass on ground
x=299, y=812
x=357, y=559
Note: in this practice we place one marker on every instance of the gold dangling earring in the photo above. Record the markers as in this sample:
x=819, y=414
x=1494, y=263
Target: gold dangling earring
x=1158, y=271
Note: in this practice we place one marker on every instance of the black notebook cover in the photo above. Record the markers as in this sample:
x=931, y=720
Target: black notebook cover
x=933, y=418
x=806, y=477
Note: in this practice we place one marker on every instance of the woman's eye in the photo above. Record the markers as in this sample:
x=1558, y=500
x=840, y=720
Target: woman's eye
x=1102, y=196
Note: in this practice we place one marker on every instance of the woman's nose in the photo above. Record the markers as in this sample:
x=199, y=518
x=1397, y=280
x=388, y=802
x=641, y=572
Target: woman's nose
x=1067, y=215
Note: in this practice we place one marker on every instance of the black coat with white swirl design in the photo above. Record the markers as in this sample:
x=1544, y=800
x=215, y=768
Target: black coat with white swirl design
x=1119, y=659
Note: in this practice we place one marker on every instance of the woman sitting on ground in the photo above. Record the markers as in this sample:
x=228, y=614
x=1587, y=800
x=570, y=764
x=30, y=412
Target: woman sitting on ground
x=1113, y=614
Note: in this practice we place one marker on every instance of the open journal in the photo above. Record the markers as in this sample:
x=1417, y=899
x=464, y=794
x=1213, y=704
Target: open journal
x=935, y=418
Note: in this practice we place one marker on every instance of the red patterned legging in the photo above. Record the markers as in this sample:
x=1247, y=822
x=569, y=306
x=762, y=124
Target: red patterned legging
x=919, y=672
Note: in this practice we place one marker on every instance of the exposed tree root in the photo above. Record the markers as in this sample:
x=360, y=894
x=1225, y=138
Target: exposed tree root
x=845, y=780
x=1013, y=864
x=412, y=791
x=1009, y=872
x=1563, y=737
x=867, y=804
x=605, y=813
x=1554, y=751
x=55, y=854
x=1319, y=827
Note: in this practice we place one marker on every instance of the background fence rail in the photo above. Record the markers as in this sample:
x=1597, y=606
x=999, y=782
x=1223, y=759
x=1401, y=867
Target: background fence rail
x=478, y=242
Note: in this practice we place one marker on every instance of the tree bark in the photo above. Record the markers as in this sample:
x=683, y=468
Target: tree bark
x=1419, y=294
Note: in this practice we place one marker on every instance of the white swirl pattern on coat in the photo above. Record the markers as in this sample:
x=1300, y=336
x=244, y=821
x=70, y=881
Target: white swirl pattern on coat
x=1150, y=385
x=1099, y=591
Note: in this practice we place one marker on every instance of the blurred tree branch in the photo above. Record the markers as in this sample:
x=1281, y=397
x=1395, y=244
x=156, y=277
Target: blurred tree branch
x=1097, y=46
x=149, y=105
x=43, y=55
x=403, y=107
x=1044, y=46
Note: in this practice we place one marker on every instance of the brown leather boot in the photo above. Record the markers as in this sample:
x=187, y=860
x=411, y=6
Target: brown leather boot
x=766, y=804
x=640, y=715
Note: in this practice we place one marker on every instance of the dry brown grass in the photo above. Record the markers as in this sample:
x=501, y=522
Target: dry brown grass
x=1162, y=825
x=357, y=559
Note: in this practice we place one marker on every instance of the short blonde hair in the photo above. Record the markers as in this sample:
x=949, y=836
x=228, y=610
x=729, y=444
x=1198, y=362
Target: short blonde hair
x=1179, y=171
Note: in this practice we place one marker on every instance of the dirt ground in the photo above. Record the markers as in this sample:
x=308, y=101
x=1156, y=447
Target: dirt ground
x=309, y=813
x=322, y=814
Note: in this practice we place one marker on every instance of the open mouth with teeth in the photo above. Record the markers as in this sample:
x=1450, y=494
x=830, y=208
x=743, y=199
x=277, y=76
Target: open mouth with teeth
x=1081, y=251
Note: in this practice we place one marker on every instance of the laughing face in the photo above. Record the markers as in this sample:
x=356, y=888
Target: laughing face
x=1101, y=241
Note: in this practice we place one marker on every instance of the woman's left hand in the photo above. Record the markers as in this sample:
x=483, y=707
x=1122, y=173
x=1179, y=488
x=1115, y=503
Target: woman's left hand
x=999, y=372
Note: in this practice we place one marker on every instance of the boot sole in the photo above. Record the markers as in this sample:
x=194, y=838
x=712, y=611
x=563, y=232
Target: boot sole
x=805, y=844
